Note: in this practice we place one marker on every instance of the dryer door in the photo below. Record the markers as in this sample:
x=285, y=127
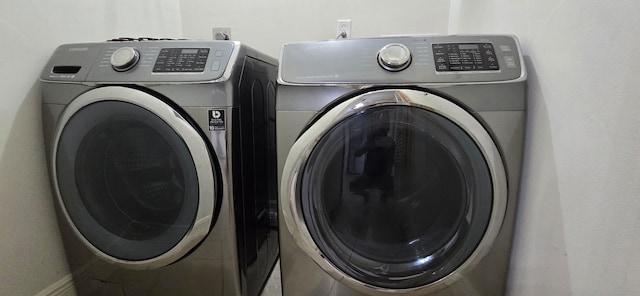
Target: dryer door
x=394, y=190
x=134, y=178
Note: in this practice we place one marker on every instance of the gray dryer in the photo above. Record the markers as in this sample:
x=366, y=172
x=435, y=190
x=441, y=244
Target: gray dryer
x=400, y=164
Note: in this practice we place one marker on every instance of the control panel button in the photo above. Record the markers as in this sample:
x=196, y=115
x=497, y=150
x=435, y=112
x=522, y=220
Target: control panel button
x=124, y=58
x=510, y=61
x=215, y=65
x=505, y=48
x=394, y=57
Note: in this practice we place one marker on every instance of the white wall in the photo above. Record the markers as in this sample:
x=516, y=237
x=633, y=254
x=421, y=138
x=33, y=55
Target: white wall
x=266, y=25
x=578, y=230
x=31, y=251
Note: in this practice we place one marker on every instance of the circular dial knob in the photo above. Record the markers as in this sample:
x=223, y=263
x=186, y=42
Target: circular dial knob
x=394, y=57
x=124, y=58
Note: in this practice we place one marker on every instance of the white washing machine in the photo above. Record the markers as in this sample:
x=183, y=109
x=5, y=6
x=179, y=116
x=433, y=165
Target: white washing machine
x=400, y=164
x=162, y=161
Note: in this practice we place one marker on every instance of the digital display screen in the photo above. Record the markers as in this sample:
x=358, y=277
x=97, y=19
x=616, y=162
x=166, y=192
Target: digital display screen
x=190, y=51
x=468, y=46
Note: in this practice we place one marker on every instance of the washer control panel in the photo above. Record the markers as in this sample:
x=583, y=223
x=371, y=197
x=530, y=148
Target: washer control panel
x=464, y=57
x=141, y=61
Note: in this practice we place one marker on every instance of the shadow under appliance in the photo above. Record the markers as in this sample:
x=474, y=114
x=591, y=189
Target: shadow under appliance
x=400, y=164
x=162, y=160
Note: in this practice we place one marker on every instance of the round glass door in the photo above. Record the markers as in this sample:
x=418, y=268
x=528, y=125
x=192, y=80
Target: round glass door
x=394, y=195
x=127, y=178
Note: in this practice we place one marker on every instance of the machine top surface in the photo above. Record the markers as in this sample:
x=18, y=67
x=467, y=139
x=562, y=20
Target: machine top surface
x=403, y=60
x=141, y=60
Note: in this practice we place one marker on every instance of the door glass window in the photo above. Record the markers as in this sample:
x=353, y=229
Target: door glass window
x=396, y=196
x=127, y=180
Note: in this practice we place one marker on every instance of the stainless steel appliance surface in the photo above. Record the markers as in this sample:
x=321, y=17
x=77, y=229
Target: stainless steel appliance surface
x=162, y=161
x=399, y=161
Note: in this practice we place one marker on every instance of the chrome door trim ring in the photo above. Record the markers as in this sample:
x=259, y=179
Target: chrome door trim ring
x=303, y=146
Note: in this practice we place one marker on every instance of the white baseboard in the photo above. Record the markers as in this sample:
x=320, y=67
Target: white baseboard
x=63, y=287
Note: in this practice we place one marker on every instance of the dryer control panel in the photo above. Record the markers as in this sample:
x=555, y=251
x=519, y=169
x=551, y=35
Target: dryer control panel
x=403, y=60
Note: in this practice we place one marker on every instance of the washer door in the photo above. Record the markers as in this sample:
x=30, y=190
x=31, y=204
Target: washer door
x=395, y=190
x=134, y=178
